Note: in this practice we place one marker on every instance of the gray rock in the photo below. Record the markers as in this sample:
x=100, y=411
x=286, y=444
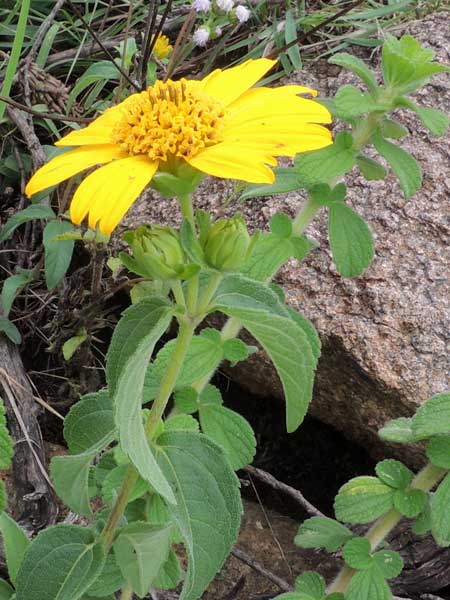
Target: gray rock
x=385, y=334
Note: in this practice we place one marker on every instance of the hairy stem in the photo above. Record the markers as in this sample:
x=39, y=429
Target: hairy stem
x=307, y=213
x=186, y=208
x=425, y=480
x=127, y=592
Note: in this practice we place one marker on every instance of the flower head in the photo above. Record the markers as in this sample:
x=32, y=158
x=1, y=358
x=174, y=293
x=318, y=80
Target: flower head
x=242, y=13
x=162, y=47
x=220, y=126
x=225, y=5
x=201, y=36
x=201, y=5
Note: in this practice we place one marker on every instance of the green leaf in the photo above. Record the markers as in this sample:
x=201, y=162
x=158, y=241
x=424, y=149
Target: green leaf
x=422, y=524
x=311, y=584
x=350, y=240
x=393, y=129
x=322, y=532
x=286, y=180
x=356, y=553
x=70, y=559
x=186, y=400
x=368, y=585
x=432, y=418
x=434, y=119
x=70, y=476
x=389, y=563
x=370, y=169
x=438, y=451
x=131, y=346
x=335, y=596
x=57, y=254
x=286, y=343
x=310, y=331
x=269, y=253
x=398, y=430
x=356, y=66
x=290, y=34
x=3, y=496
x=12, y=286
x=402, y=163
x=34, y=211
x=141, y=550
x=6, y=591
x=362, y=500
x=231, y=431
x=410, y=502
x=235, y=350
x=202, y=357
x=170, y=574
x=9, y=329
x=181, y=423
x=6, y=443
x=71, y=345
x=109, y=580
x=440, y=515
x=351, y=102
x=394, y=473
x=15, y=544
x=88, y=421
x=281, y=225
x=208, y=507
x=320, y=166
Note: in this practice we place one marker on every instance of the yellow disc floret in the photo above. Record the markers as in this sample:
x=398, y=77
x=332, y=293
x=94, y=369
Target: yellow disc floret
x=170, y=119
x=162, y=47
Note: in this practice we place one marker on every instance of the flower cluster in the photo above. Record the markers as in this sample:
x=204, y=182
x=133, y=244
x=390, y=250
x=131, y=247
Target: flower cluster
x=215, y=15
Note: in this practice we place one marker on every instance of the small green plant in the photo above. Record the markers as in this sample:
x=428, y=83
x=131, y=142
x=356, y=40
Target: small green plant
x=157, y=446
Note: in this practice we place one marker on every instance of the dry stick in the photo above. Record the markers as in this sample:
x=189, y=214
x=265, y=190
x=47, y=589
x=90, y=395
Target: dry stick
x=44, y=115
x=29, y=136
x=256, y=566
x=102, y=46
x=160, y=27
x=86, y=51
x=181, y=39
x=147, y=43
x=286, y=489
x=305, y=34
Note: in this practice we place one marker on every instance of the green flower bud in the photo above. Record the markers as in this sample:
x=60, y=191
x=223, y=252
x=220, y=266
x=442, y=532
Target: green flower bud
x=156, y=251
x=227, y=243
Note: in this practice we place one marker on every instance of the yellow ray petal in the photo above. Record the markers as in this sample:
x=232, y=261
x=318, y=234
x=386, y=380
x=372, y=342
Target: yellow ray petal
x=280, y=139
x=109, y=192
x=264, y=103
x=235, y=161
x=229, y=84
x=99, y=131
x=68, y=164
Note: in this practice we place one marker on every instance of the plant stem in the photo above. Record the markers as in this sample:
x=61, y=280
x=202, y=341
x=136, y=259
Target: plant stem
x=209, y=292
x=185, y=333
x=192, y=294
x=178, y=293
x=305, y=216
x=127, y=592
x=186, y=208
x=425, y=480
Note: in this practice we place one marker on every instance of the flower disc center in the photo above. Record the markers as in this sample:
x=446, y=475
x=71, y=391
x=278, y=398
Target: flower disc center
x=170, y=119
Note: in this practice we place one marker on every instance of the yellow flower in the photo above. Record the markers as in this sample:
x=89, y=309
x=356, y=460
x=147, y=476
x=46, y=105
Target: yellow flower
x=162, y=47
x=218, y=126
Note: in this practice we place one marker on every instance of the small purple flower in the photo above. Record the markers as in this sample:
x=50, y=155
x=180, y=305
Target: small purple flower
x=242, y=13
x=201, y=36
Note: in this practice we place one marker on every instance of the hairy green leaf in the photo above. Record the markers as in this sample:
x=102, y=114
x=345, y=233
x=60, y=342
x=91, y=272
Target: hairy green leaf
x=286, y=343
x=113, y=482
x=410, y=502
x=286, y=180
x=170, y=574
x=322, y=532
x=368, y=584
x=15, y=543
x=270, y=252
x=394, y=473
x=362, y=500
x=281, y=225
x=109, y=580
x=88, y=421
x=231, y=431
x=389, y=563
x=70, y=559
x=438, y=451
x=398, y=430
x=350, y=240
x=350, y=102
x=10, y=330
x=402, y=163
x=310, y=583
x=141, y=550
x=6, y=443
x=371, y=169
x=356, y=553
x=432, y=418
x=208, y=507
x=71, y=345
x=356, y=66
x=440, y=515
x=129, y=353
x=12, y=286
x=320, y=166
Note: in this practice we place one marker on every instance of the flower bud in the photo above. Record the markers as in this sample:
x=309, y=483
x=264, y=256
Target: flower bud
x=227, y=244
x=225, y=5
x=201, y=5
x=157, y=251
x=201, y=36
x=242, y=13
